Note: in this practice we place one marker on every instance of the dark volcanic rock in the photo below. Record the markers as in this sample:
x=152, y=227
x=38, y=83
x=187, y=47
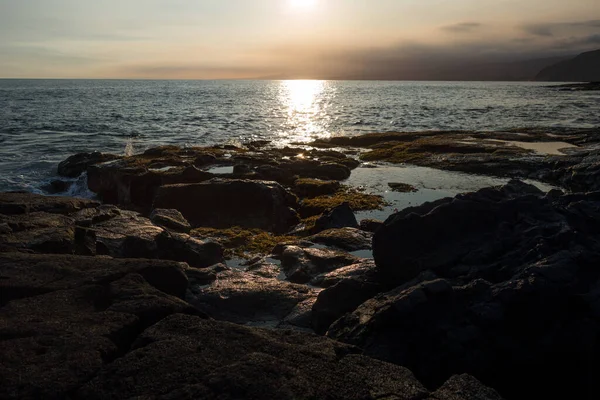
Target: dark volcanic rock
x=301, y=265
x=517, y=302
x=350, y=291
x=12, y=203
x=341, y=216
x=584, y=176
x=77, y=164
x=221, y=203
x=348, y=239
x=128, y=235
x=247, y=298
x=104, y=230
x=464, y=387
x=468, y=229
x=186, y=357
x=25, y=275
x=170, y=219
x=370, y=225
x=402, y=187
x=39, y=232
x=57, y=186
x=314, y=187
x=318, y=170
x=64, y=317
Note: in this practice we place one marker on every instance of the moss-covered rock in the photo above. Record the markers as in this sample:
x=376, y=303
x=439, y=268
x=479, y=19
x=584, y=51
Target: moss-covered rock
x=358, y=201
x=240, y=241
x=306, y=187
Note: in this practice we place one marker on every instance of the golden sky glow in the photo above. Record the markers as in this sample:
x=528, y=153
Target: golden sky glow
x=282, y=38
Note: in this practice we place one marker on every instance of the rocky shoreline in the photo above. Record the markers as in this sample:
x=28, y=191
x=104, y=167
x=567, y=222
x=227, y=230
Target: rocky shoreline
x=242, y=272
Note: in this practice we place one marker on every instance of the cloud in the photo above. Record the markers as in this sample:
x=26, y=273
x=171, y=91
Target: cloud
x=555, y=28
x=578, y=42
x=463, y=27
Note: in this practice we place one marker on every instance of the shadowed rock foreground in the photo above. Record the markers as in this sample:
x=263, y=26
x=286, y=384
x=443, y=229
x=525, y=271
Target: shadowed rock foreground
x=160, y=292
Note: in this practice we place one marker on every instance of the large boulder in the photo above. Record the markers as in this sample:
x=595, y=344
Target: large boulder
x=502, y=284
x=465, y=230
x=221, y=203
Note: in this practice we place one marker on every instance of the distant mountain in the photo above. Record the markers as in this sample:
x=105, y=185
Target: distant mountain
x=583, y=68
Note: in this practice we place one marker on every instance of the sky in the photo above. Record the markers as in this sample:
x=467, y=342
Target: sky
x=287, y=39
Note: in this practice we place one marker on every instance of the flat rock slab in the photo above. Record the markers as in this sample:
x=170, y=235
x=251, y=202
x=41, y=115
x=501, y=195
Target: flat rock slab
x=186, y=357
x=63, y=317
x=25, y=275
x=247, y=298
x=22, y=203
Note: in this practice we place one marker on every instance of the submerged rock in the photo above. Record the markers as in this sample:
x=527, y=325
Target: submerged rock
x=57, y=186
x=223, y=203
x=402, y=187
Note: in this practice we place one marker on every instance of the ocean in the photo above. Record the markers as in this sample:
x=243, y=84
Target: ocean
x=42, y=122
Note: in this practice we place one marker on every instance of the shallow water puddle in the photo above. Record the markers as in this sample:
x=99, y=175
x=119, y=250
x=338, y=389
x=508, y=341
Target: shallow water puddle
x=164, y=169
x=362, y=253
x=544, y=148
x=431, y=184
x=221, y=170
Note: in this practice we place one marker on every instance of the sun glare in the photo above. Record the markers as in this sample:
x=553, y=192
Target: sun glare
x=303, y=3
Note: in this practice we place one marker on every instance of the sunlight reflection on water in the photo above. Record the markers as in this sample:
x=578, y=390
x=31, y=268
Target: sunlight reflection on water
x=306, y=103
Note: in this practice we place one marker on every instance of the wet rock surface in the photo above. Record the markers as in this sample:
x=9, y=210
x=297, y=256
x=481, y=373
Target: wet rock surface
x=563, y=157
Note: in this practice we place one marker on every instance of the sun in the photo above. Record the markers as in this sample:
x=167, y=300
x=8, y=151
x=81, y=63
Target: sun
x=303, y=3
